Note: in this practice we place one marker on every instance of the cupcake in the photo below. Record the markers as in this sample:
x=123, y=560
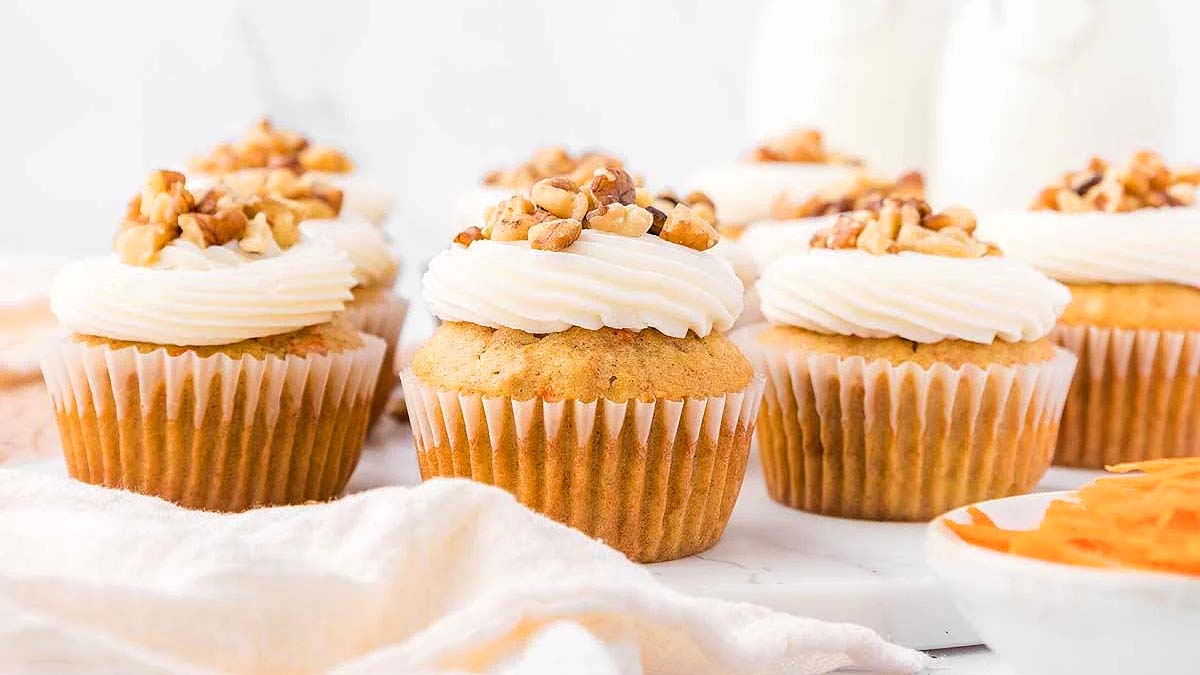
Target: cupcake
x=581, y=366
x=1125, y=240
x=203, y=366
x=548, y=162
x=909, y=369
x=26, y=325
x=375, y=308
x=265, y=147
x=796, y=218
x=797, y=163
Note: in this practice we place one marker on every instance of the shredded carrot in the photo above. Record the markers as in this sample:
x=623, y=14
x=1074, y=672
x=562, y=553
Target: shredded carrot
x=1150, y=520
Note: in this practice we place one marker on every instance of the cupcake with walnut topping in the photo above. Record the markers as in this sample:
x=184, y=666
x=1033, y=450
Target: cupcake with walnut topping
x=581, y=366
x=204, y=365
x=265, y=147
x=1125, y=240
x=909, y=369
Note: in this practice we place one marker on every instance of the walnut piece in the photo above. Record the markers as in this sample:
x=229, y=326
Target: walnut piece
x=549, y=163
x=1144, y=182
x=906, y=225
x=555, y=235
x=629, y=220
x=560, y=196
x=469, y=236
x=685, y=228
x=512, y=218
x=213, y=229
x=613, y=185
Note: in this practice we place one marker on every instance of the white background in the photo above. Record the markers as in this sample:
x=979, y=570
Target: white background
x=429, y=95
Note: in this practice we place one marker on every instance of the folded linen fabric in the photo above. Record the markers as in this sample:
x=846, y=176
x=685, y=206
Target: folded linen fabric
x=450, y=576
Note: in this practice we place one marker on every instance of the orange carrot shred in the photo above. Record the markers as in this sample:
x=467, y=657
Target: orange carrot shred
x=1150, y=520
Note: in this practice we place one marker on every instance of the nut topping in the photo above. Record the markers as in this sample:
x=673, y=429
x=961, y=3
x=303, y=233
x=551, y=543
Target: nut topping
x=549, y=163
x=860, y=191
x=265, y=146
x=560, y=196
x=906, y=225
x=684, y=227
x=627, y=220
x=800, y=146
x=613, y=185
x=1145, y=182
x=555, y=235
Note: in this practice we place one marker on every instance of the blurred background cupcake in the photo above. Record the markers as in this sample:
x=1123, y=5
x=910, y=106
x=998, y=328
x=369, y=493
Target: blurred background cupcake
x=581, y=366
x=909, y=368
x=202, y=365
x=265, y=147
x=1125, y=239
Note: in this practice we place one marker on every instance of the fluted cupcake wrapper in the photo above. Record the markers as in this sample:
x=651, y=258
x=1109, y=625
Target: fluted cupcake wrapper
x=871, y=439
x=655, y=480
x=383, y=320
x=215, y=433
x=1135, y=396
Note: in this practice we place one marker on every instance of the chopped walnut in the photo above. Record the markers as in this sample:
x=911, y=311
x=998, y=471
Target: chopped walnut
x=613, y=185
x=469, y=236
x=550, y=163
x=555, y=235
x=860, y=191
x=799, y=146
x=512, y=218
x=629, y=220
x=560, y=196
x=306, y=194
x=164, y=210
x=266, y=146
x=684, y=227
x=906, y=225
x=1144, y=182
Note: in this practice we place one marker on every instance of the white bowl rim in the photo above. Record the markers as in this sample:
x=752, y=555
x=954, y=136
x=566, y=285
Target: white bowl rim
x=938, y=538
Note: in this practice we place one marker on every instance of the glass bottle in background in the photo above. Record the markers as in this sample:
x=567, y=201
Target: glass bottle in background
x=1028, y=88
x=863, y=72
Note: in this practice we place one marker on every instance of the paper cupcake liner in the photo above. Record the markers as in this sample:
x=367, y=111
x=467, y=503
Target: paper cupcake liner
x=383, y=319
x=655, y=480
x=1135, y=396
x=215, y=433
x=882, y=441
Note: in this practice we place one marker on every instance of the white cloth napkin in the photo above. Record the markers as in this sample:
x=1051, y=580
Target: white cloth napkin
x=450, y=576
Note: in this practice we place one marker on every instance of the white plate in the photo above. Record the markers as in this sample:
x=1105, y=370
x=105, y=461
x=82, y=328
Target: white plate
x=1048, y=618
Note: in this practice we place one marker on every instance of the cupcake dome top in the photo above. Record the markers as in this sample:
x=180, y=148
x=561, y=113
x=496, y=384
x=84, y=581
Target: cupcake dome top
x=905, y=271
x=604, y=254
x=1134, y=223
x=212, y=269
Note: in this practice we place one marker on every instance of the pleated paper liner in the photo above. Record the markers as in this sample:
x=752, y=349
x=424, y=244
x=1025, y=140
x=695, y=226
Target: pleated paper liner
x=215, y=433
x=1135, y=396
x=655, y=480
x=380, y=314
x=874, y=440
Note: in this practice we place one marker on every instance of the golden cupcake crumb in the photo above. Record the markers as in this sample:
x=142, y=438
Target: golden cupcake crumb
x=1151, y=306
x=580, y=364
x=897, y=350
x=1145, y=182
x=327, y=338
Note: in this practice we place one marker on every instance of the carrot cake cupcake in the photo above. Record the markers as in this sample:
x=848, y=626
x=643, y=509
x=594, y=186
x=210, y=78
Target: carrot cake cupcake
x=908, y=367
x=581, y=366
x=1126, y=241
x=203, y=366
x=265, y=146
x=795, y=219
x=796, y=163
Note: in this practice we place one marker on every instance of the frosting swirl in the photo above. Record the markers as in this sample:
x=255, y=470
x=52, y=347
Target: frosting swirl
x=918, y=297
x=601, y=280
x=211, y=296
x=1143, y=246
x=363, y=242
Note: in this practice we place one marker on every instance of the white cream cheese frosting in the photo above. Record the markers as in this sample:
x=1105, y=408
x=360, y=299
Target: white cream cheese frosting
x=1143, y=246
x=601, y=280
x=770, y=240
x=468, y=211
x=743, y=192
x=374, y=262
x=918, y=297
x=211, y=296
